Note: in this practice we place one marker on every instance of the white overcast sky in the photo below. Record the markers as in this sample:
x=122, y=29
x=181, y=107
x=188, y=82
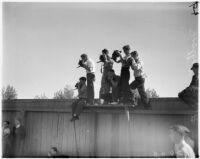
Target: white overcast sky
x=42, y=43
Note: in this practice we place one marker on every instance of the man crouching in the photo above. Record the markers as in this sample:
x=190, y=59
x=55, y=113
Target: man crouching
x=78, y=105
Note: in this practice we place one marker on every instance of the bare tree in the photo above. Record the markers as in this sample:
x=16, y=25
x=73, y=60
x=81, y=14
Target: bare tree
x=9, y=93
x=66, y=93
x=42, y=96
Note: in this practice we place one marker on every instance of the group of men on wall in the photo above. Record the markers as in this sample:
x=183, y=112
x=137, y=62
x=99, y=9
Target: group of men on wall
x=116, y=89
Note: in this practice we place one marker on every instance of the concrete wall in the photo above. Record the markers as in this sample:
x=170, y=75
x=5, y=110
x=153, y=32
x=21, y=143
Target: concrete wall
x=102, y=131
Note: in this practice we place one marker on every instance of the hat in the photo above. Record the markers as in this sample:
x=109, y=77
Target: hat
x=126, y=47
x=195, y=65
x=105, y=51
x=82, y=78
x=181, y=129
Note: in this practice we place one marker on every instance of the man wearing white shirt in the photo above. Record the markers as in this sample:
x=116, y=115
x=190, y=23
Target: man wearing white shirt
x=89, y=66
x=137, y=66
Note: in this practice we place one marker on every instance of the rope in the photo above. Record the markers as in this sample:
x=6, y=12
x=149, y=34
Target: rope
x=76, y=144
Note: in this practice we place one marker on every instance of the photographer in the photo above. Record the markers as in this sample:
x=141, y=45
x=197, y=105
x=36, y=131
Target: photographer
x=105, y=85
x=89, y=66
x=124, y=88
x=78, y=105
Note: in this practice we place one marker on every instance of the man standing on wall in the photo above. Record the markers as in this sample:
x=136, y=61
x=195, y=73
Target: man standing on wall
x=89, y=66
x=124, y=88
x=138, y=83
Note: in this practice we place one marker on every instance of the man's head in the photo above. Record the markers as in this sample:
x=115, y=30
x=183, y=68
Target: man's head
x=17, y=121
x=105, y=51
x=6, y=124
x=195, y=68
x=84, y=57
x=82, y=80
x=178, y=132
x=126, y=49
x=53, y=151
x=134, y=54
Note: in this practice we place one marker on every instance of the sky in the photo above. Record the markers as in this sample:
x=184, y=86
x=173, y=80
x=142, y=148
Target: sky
x=42, y=43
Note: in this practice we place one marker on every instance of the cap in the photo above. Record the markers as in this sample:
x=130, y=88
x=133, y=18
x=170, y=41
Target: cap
x=105, y=51
x=82, y=78
x=195, y=65
x=180, y=129
x=126, y=47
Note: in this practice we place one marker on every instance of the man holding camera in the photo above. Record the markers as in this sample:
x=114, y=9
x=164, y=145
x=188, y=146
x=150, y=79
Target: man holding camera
x=105, y=85
x=78, y=105
x=89, y=66
x=124, y=88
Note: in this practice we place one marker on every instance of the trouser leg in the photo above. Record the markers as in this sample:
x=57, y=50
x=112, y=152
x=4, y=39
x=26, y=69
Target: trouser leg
x=74, y=105
x=79, y=107
x=143, y=95
x=124, y=90
x=90, y=87
x=139, y=84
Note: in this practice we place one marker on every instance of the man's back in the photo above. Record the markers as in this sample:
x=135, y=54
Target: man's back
x=184, y=151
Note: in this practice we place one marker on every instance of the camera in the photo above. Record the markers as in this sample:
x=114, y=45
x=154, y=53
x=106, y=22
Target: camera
x=80, y=63
x=116, y=54
x=77, y=84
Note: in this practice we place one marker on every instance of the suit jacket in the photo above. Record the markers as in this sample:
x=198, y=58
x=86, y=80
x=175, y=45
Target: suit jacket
x=19, y=133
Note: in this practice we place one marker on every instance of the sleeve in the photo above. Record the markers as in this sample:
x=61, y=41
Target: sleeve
x=90, y=65
x=137, y=65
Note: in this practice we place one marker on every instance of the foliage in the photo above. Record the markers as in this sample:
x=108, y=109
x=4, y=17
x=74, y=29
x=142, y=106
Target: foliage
x=42, y=96
x=151, y=93
x=66, y=93
x=9, y=93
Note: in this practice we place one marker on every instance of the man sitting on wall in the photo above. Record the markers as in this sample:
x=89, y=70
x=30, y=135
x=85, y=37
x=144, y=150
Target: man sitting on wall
x=78, y=105
x=182, y=149
x=190, y=94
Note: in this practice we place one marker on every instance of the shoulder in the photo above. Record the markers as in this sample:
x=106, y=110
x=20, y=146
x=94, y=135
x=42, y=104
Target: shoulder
x=140, y=61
